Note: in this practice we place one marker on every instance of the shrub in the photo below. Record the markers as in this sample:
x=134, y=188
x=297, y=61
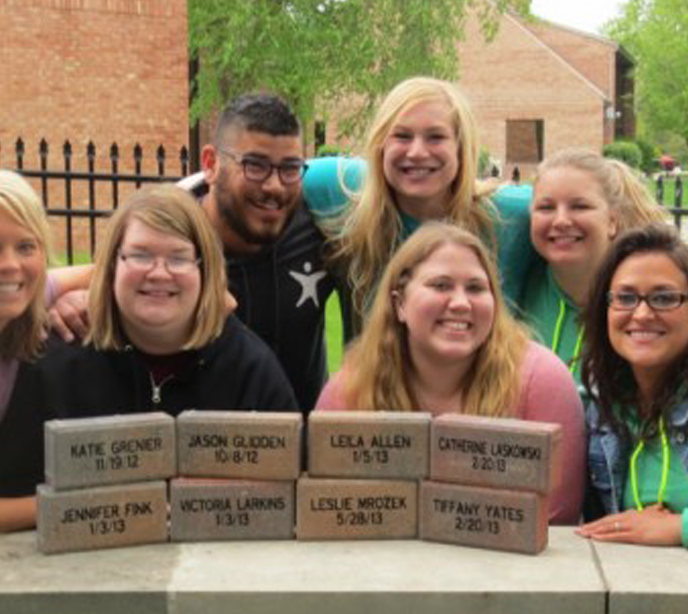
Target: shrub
x=649, y=154
x=626, y=151
x=330, y=150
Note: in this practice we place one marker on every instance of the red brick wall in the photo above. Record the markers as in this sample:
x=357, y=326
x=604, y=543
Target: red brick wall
x=101, y=70
x=517, y=77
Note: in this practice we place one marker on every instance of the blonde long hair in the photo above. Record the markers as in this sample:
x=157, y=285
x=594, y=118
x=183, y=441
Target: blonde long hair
x=173, y=211
x=379, y=364
x=626, y=195
x=370, y=228
x=23, y=337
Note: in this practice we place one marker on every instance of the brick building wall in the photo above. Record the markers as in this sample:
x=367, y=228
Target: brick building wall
x=93, y=70
x=535, y=88
x=517, y=78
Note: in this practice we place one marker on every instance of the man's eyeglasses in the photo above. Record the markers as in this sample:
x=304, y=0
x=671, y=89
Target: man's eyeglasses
x=144, y=262
x=659, y=300
x=259, y=170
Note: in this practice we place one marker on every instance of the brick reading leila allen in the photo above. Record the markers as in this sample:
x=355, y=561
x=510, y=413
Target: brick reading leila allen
x=368, y=445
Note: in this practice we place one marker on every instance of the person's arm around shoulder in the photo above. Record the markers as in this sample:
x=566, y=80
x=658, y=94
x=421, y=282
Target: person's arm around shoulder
x=516, y=254
x=330, y=182
x=17, y=514
x=549, y=394
x=69, y=310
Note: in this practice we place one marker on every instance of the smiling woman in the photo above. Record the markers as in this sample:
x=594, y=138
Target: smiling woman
x=580, y=202
x=634, y=366
x=159, y=337
x=440, y=339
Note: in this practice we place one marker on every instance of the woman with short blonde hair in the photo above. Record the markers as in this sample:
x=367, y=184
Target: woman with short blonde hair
x=173, y=212
x=160, y=339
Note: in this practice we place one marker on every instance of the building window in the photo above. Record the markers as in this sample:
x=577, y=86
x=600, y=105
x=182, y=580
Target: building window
x=320, y=135
x=525, y=140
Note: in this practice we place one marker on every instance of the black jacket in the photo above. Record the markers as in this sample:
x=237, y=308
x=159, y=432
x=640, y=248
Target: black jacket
x=282, y=291
x=235, y=372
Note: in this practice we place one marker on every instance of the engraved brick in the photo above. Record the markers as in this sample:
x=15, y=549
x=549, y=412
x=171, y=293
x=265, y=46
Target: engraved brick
x=495, y=452
x=109, y=450
x=210, y=509
x=103, y=517
x=363, y=444
x=483, y=517
x=356, y=509
x=244, y=445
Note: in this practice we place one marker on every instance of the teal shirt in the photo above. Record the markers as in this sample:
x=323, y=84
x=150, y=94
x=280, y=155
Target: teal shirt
x=552, y=316
x=330, y=182
x=649, y=472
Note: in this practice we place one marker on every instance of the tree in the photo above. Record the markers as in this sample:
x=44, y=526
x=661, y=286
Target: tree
x=656, y=34
x=316, y=52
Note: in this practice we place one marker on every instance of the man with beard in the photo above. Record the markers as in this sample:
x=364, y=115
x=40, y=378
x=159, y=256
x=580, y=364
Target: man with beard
x=251, y=189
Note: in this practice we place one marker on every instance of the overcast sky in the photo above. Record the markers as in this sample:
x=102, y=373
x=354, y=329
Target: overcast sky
x=587, y=15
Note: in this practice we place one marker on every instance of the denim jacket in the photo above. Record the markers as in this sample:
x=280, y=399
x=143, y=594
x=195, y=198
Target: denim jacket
x=609, y=455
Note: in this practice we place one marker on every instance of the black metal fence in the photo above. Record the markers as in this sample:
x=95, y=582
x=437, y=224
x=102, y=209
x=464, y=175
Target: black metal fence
x=92, y=204
x=668, y=189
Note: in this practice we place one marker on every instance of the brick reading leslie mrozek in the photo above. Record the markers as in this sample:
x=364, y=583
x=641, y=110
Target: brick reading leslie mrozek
x=238, y=444
x=205, y=509
x=366, y=444
x=102, y=517
x=495, y=452
x=492, y=518
x=356, y=509
x=109, y=450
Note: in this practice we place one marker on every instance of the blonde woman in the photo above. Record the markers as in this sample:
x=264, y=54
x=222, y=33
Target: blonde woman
x=421, y=154
x=24, y=287
x=159, y=337
x=440, y=339
x=581, y=201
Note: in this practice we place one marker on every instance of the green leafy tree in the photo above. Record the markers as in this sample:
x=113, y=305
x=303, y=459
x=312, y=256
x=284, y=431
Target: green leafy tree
x=656, y=34
x=318, y=52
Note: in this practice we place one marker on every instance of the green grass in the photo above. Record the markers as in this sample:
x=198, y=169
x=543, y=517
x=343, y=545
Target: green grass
x=333, y=333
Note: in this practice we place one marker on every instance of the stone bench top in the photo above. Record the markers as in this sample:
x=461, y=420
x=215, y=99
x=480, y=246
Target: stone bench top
x=394, y=576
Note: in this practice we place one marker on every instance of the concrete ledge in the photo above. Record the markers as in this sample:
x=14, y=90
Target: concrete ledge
x=338, y=577
x=642, y=579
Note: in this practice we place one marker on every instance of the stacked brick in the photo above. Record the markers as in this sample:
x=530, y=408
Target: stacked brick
x=232, y=477
x=105, y=482
x=489, y=482
x=239, y=470
x=236, y=476
x=363, y=475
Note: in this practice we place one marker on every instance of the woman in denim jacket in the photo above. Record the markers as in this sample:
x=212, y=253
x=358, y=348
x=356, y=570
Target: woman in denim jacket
x=635, y=362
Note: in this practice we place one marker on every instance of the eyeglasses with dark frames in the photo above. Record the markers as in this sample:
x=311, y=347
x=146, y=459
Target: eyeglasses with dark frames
x=659, y=300
x=144, y=262
x=259, y=170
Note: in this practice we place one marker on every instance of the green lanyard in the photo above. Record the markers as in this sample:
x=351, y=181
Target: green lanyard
x=666, y=456
x=556, y=337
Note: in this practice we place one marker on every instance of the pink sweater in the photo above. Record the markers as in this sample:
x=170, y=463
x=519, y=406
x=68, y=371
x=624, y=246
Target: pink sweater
x=548, y=394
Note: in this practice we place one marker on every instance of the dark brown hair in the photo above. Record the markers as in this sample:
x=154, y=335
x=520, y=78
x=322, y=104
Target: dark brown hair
x=606, y=375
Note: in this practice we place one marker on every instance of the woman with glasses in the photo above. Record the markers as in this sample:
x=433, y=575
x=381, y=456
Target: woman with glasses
x=581, y=200
x=634, y=366
x=159, y=337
